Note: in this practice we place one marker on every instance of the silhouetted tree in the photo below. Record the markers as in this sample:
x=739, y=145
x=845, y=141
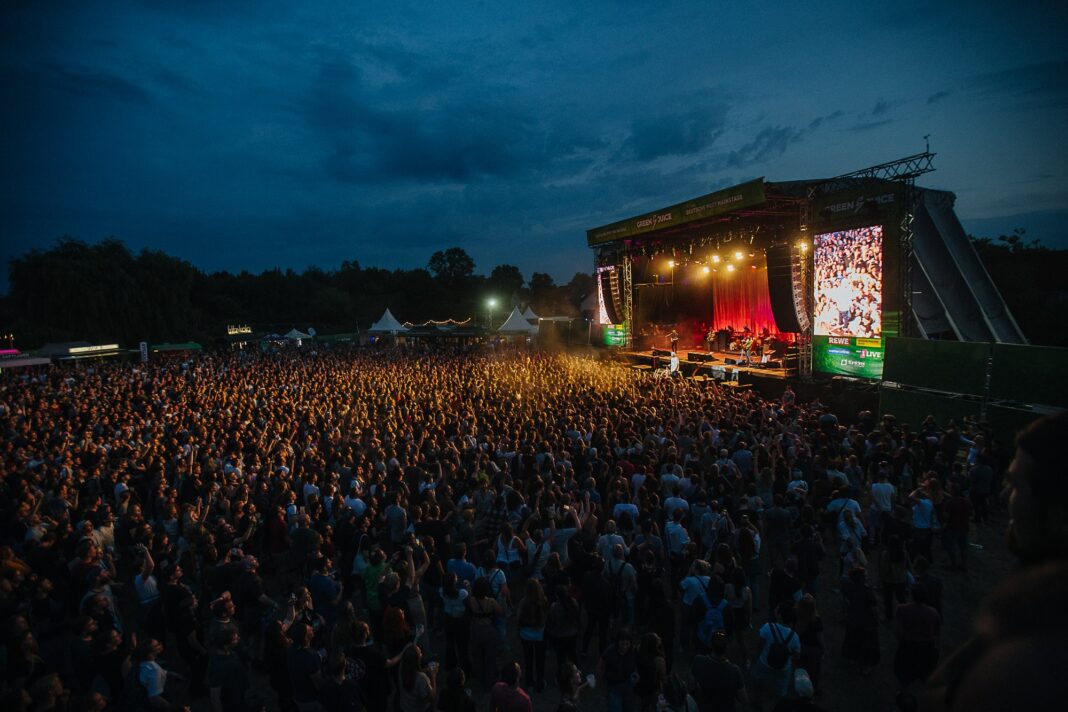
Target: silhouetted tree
x=452, y=265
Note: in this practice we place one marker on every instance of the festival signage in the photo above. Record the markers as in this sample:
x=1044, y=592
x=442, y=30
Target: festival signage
x=78, y=350
x=234, y=330
x=615, y=335
x=848, y=356
x=741, y=196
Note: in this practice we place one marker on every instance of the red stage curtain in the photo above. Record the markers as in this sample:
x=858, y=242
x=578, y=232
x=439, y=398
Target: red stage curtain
x=740, y=299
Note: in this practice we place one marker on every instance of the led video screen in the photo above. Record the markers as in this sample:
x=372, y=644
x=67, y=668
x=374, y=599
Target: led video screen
x=849, y=282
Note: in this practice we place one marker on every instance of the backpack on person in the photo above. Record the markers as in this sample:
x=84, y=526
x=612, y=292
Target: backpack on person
x=779, y=652
x=713, y=621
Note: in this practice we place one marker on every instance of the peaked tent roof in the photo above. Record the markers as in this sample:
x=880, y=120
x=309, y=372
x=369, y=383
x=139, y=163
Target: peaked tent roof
x=517, y=324
x=529, y=314
x=388, y=324
x=294, y=334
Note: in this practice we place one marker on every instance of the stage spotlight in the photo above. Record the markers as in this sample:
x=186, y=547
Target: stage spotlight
x=803, y=246
x=738, y=255
x=706, y=269
x=730, y=268
x=715, y=258
x=671, y=263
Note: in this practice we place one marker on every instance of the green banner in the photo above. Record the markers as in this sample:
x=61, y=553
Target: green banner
x=615, y=335
x=848, y=356
x=741, y=196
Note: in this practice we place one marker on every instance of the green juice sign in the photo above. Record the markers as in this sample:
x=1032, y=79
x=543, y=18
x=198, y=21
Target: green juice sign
x=848, y=356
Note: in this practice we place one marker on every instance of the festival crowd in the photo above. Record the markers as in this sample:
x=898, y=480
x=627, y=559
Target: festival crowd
x=457, y=531
x=849, y=282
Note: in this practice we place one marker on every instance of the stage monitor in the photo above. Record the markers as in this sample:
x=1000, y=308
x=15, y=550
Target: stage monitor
x=849, y=282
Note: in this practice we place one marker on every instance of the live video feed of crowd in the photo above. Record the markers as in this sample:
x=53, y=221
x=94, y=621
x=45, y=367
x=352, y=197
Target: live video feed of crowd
x=849, y=282
x=325, y=530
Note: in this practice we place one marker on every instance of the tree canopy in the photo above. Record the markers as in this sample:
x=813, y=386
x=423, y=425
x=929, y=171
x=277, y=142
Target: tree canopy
x=104, y=292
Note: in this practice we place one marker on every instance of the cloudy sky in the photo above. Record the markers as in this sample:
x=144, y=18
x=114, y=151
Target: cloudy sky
x=248, y=134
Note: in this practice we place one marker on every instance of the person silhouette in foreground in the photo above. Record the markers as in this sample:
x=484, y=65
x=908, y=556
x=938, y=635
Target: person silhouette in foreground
x=1017, y=656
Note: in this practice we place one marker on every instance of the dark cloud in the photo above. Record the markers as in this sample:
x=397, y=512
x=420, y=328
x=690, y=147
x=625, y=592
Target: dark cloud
x=869, y=125
x=820, y=120
x=676, y=134
x=881, y=107
x=1043, y=83
x=938, y=96
x=769, y=143
x=455, y=140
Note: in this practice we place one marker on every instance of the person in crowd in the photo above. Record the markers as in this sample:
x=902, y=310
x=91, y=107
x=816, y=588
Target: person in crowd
x=717, y=684
x=861, y=642
x=507, y=695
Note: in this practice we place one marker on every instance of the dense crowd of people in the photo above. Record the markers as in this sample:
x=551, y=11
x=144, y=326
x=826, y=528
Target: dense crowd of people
x=849, y=282
x=457, y=531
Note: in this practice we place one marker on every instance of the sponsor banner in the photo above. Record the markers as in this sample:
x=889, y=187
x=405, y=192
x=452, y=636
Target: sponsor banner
x=144, y=352
x=741, y=196
x=848, y=356
x=615, y=335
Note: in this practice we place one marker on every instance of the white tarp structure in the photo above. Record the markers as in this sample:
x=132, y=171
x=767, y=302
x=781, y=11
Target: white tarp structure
x=297, y=335
x=516, y=323
x=388, y=324
x=529, y=314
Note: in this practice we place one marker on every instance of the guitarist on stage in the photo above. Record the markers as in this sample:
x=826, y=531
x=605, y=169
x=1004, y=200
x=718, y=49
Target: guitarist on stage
x=747, y=347
x=710, y=339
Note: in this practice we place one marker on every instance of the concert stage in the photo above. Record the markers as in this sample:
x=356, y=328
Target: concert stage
x=721, y=367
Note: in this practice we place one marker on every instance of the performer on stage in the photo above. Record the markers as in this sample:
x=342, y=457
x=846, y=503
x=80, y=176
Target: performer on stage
x=710, y=339
x=747, y=347
x=673, y=337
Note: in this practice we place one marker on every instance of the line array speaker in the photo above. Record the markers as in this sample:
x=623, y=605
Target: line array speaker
x=781, y=289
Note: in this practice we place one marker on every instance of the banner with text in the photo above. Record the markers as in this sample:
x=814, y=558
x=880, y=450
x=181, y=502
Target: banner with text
x=741, y=196
x=848, y=356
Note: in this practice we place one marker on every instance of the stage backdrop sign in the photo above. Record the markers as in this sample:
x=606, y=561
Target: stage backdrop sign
x=848, y=356
x=741, y=196
x=615, y=335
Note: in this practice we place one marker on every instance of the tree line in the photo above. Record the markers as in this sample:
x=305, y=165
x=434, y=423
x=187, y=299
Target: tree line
x=104, y=292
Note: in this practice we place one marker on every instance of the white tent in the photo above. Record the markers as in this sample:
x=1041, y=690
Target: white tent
x=388, y=324
x=517, y=324
x=529, y=314
x=297, y=335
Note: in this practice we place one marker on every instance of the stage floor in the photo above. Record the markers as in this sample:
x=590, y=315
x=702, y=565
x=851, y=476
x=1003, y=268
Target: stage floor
x=719, y=368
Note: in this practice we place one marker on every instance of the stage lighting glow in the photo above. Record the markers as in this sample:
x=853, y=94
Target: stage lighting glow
x=671, y=263
x=706, y=269
x=738, y=255
x=730, y=268
x=492, y=303
x=803, y=246
x=715, y=258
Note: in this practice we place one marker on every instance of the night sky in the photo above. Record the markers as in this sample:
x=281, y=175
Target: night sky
x=248, y=134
